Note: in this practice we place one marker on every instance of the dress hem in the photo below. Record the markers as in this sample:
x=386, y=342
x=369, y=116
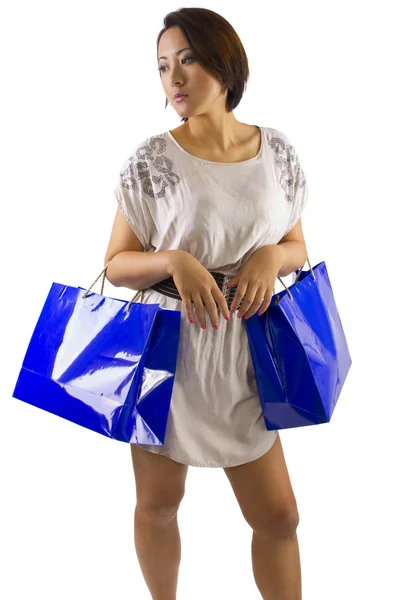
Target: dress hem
x=194, y=464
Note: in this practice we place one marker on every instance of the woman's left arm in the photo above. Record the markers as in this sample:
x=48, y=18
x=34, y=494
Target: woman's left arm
x=294, y=256
x=256, y=278
x=294, y=250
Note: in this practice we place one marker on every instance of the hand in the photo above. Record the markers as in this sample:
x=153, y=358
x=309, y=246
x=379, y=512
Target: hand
x=195, y=284
x=256, y=279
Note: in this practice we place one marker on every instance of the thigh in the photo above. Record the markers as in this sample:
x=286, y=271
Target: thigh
x=263, y=489
x=160, y=481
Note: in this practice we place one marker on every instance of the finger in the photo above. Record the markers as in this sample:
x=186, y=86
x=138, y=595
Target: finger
x=209, y=301
x=254, y=295
x=265, y=304
x=188, y=306
x=199, y=308
x=257, y=303
x=239, y=294
x=220, y=299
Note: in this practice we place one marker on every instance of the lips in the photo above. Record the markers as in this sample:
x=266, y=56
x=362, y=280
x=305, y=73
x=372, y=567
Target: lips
x=180, y=96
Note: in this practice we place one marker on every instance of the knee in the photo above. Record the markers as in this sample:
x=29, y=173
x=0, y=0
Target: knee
x=157, y=511
x=282, y=523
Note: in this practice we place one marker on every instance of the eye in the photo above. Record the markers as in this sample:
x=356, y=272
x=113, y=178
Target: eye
x=191, y=58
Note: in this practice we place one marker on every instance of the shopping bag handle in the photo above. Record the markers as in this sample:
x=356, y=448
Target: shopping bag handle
x=296, y=280
x=301, y=270
x=103, y=272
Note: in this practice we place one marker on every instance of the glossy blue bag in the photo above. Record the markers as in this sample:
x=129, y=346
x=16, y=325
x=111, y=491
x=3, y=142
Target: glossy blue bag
x=299, y=352
x=103, y=363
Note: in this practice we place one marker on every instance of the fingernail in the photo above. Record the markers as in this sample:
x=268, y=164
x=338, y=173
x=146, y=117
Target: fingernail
x=240, y=316
x=203, y=326
x=191, y=321
x=228, y=318
x=215, y=326
x=233, y=310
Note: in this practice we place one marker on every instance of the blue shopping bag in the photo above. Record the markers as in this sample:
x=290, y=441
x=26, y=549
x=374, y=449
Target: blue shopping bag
x=299, y=351
x=103, y=363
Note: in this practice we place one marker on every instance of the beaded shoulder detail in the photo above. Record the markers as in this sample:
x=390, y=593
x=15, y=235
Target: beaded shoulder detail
x=292, y=176
x=150, y=156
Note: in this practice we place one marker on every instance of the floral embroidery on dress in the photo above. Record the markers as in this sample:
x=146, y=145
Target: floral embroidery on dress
x=292, y=176
x=137, y=170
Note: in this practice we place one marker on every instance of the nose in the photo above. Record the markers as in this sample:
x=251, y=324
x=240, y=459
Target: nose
x=175, y=76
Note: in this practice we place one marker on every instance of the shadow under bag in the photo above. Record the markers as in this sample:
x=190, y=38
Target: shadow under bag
x=103, y=363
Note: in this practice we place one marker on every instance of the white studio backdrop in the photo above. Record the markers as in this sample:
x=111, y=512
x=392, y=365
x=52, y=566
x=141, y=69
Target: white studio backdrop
x=80, y=89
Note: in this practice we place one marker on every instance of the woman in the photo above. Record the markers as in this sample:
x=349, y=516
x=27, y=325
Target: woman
x=211, y=201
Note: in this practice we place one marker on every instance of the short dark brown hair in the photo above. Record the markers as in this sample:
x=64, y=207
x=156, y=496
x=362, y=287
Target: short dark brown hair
x=216, y=46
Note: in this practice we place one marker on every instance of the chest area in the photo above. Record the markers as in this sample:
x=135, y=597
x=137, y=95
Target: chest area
x=245, y=150
x=220, y=200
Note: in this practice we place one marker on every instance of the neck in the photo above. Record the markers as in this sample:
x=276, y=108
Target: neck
x=217, y=135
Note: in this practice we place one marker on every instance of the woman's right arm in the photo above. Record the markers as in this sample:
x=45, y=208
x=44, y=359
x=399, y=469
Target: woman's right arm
x=133, y=268
x=139, y=270
x=130, y=265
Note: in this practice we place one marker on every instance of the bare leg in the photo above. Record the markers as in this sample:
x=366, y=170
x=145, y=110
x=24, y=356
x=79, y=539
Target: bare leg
x=265, y=495
x=158, y=547
x=160, y=487
x=276, y=567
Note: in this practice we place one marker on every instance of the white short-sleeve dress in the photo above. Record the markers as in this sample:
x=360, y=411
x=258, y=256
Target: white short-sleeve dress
x=220, y=213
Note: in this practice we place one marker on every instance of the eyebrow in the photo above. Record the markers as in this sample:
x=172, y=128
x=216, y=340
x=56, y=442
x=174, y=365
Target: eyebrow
x=178, y=52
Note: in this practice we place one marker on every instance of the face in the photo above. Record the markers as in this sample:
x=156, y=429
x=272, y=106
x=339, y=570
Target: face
x=182, y=73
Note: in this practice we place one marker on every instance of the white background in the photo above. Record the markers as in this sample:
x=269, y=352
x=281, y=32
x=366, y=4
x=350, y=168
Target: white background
x=80, y=89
